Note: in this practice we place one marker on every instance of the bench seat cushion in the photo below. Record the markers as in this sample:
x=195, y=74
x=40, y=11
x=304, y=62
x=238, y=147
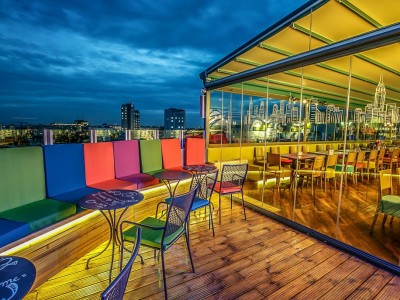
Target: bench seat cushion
x=75, y=195
x=11, y=231
x=114, y=184
x=142, y=180
x=40, y=214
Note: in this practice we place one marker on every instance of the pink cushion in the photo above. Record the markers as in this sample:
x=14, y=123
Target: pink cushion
x=227, y=188
x=126, y=158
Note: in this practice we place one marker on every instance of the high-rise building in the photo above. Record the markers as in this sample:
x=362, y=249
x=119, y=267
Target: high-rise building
x=130, y=117
x=174, y=119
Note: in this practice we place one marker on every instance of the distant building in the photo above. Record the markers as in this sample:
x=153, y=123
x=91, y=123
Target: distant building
x=130, y=117
x=174, y=119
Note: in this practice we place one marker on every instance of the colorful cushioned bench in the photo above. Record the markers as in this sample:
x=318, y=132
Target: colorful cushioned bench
x=150, y=156
x=127, y=164
x=99, y=168
x=23, y=199
x=65, y=172
x=171, y=154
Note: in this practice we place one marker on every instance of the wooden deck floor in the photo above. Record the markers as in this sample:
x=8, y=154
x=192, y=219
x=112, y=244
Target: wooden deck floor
x=253, y=259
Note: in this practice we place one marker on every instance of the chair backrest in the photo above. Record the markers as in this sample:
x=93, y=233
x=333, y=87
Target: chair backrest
x=171, y=153
x=293, y=149
x=99, y=162
x=385, y=180
x=126, y=158
x=318, y=162
x=64, y=168
x=150, y=155
x=331, y=160
x=373, y=155
x=177, y=216
x=395, y=153
x=234, y=173
x=205, y=184
x=22, y=179
x=351, y=158
x=320, y=147
x=195, y=151
x=275, y=150
x=381, y=154
x=258, y=154
x=329, y=147
x=273, y=160
x=116, y=290
x=306, y=149
x=360, y=157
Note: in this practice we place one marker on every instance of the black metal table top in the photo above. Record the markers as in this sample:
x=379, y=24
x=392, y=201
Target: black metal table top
x=172, y=175
x=17, y=275
x=111, y=200
x=200, y=168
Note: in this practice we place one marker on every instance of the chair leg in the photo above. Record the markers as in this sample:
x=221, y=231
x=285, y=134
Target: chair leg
x=219, y=209
x=164, y=275
x=231, y=201
x=384, y=220
x=211, y=219
x=188, y=247
x=244, y=209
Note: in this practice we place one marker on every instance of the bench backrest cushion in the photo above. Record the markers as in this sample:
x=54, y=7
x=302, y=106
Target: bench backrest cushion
x=126, y=158
x=150, y=155
x=194, y=151
x=22, y=178
x=171, y=153
x=64, y=168
x=99, y=162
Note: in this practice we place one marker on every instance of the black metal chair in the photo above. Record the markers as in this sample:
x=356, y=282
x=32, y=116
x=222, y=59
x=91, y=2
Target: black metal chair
x=161, y=235
x=116, y=289
x=232, y=181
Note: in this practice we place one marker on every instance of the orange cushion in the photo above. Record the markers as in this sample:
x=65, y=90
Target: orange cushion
x=194, y=151
x=99, y=162
x=171, y=153
x=227, y=188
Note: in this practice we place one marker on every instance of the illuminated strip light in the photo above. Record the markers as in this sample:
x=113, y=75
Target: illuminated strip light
x=68, y=225
x=50, y=233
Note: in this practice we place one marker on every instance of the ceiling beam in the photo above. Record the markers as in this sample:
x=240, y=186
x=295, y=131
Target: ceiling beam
x=360, y=13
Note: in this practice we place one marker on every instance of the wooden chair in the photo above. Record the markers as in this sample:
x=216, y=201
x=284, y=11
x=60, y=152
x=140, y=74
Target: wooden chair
x=320, y=148
x=306, y=149
x=358, y=166
x=258, y=156
x=379, y=160
x=393, y=159
x=348, y=166
x=275, y=150
x=274, y=168
x=293, y=149
x=314, y=173
x=370, y=163
x=330, y=169
x=388, y=204
x=116, y=289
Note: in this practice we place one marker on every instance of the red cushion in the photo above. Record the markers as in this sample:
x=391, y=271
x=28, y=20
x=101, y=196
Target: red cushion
x=171, y=153
x=227, y=188
x=286, y=160
x=194, y=151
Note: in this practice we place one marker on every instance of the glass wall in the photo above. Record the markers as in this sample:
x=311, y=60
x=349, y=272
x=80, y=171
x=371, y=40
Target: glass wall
x=326, y=123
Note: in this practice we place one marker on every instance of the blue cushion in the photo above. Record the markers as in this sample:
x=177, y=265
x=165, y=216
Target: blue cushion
x=11, y=231
x=197, y=203
x=75, y=195
x=64, y=168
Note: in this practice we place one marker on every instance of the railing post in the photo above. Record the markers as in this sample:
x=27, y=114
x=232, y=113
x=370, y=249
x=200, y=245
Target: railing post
x=48, y=137
x=156, y=134
x=128, y=134
x=93, y=136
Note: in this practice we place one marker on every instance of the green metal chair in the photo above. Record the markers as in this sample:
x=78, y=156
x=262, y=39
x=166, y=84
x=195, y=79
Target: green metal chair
x=161, y=235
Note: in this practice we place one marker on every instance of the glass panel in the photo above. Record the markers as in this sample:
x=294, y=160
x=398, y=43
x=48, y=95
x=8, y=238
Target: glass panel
x=12, y=137
x=76, y=135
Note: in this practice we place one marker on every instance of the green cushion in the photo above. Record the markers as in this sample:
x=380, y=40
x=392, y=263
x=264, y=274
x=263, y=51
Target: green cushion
x=349, y=168
x=151, y=238
x=150, y=156
x=41, y=213
x=390, y=205
x=22, y=176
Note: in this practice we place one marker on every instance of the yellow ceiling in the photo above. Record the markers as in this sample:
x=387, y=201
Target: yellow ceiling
x=332, y=22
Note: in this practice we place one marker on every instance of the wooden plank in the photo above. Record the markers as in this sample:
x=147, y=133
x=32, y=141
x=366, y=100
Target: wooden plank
x=391, y=290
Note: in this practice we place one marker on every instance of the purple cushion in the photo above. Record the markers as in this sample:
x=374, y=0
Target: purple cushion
x=126, y=158
x=142, y=180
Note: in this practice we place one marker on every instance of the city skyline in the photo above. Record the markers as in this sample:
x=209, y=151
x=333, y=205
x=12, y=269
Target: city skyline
x=68, y=60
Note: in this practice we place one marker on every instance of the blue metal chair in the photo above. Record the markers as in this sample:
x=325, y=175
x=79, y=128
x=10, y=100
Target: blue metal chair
x=161, y=235
x=116, y=289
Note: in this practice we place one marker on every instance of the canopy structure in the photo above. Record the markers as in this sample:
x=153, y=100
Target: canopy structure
x=309, y=51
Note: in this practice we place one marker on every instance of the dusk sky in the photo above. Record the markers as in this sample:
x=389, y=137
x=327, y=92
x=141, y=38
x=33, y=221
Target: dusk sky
x=67, y=60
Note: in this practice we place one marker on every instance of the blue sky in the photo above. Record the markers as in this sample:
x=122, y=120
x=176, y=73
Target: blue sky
x=67, y=60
